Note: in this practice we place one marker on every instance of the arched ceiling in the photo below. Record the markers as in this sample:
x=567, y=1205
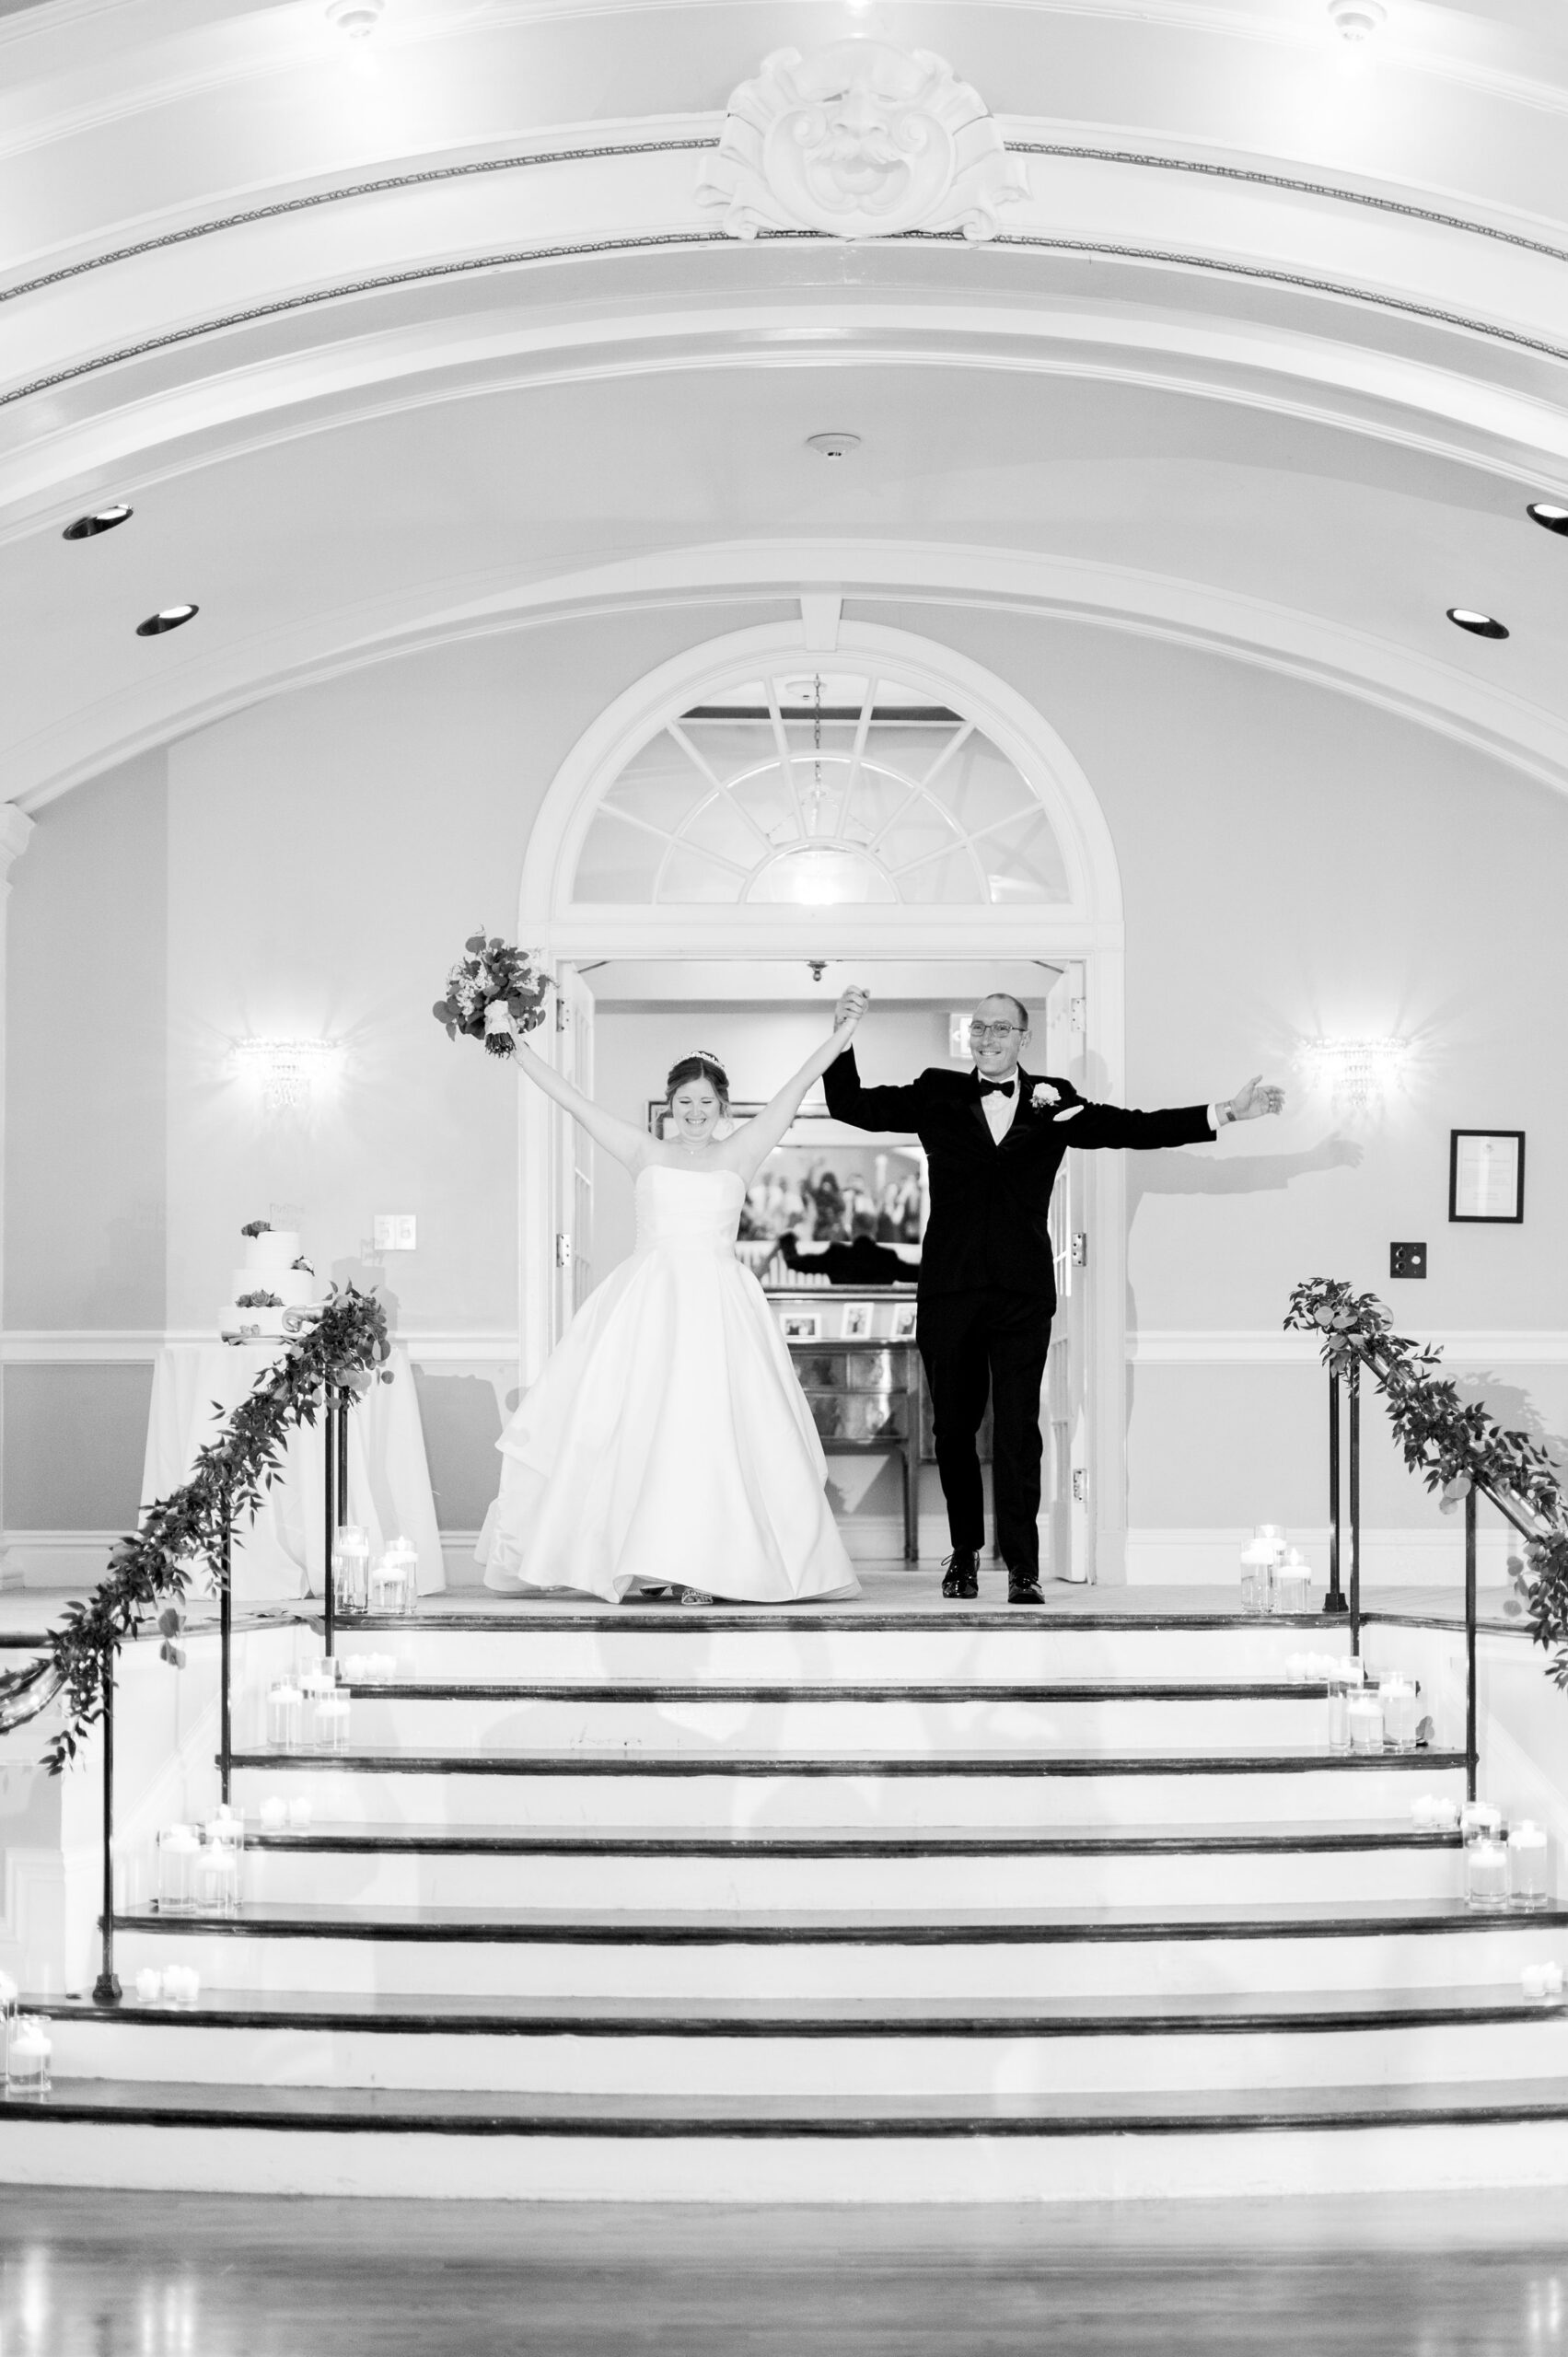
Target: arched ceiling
x=432, y=335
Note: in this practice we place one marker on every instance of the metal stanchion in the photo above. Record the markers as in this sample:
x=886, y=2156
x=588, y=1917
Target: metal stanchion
x=1334, y=1601
x=106, y=1988
x=330, y=1518
x=225, y=1653
x=1354, y=1469
x=1472, y=1748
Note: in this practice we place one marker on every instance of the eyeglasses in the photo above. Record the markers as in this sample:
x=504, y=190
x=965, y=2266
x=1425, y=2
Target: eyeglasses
x=992, y=1030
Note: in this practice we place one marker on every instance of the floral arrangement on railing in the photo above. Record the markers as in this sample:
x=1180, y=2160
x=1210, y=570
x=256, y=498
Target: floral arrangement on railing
x=345, y=1348
x=493, y=992
x=1455, y=1446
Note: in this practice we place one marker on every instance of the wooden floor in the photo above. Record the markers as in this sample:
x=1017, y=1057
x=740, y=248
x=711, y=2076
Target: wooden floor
x=143, y=2275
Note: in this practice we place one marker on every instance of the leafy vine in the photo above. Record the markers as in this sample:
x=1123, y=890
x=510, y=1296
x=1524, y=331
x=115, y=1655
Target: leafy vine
x=1455, y=1446
x=345, y=1348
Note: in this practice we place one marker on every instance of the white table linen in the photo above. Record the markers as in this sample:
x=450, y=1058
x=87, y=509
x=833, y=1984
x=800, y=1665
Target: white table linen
x=280, y=1555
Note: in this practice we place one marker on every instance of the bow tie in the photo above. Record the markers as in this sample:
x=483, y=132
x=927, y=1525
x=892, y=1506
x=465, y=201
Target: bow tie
x=996, y=1087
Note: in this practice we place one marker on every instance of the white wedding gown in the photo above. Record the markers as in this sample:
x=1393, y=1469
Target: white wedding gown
x=668, y=1441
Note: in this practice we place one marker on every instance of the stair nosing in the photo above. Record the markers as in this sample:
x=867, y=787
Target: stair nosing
x=807, y=1764
x=345, y=2111
x=826, y=1929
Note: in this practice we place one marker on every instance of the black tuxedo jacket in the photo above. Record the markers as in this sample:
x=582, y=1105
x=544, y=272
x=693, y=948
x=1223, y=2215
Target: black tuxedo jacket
x=989, y=1202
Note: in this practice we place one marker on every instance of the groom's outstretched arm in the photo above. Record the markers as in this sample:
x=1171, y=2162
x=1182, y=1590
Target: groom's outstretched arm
x=1087, y=1125
x=849, y=1099
x=1084, y=1124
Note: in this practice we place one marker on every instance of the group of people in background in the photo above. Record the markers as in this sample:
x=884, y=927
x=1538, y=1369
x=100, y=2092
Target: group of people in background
x=820, y=1208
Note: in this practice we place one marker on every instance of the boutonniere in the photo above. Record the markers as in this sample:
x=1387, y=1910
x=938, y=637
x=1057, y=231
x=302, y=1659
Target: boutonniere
x=1042, y=1094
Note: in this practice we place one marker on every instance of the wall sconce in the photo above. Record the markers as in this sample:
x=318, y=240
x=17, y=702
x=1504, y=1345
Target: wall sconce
x=1356, y=1072
x=287, y=1070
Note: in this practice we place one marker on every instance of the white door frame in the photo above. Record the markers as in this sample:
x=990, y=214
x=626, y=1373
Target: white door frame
x=1088, y=928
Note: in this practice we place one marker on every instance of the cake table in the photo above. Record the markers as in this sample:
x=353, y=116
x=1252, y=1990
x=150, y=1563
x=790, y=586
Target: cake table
x=280, y=1554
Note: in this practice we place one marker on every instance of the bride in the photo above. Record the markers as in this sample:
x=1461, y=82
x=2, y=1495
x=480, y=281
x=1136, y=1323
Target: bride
x=666, y=1443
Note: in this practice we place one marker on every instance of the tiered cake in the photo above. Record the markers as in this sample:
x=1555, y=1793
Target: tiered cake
x=274, y=1285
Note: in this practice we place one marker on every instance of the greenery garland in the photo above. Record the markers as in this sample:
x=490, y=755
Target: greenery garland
x=1455, y=1446
x=346, y=1349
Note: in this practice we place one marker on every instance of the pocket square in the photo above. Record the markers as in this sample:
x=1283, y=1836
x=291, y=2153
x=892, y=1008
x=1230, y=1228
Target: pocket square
x=1068, y=1113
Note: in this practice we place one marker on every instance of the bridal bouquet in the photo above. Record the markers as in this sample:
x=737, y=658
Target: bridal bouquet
x=493, y=993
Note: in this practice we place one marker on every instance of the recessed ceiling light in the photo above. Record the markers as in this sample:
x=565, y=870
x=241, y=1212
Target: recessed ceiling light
x=1547, y=512
x=166, y=618
x=1479, y=625
x=355, y=19
x=832, y=446
x=102, y=519
x=1356, y=20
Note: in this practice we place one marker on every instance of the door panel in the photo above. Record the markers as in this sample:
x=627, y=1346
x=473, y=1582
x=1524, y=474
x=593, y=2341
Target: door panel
x=574, y=1156
x=1065, y=1527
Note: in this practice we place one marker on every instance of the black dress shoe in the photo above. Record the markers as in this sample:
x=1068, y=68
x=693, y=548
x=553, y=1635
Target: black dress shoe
x=1023, y=1588
x=960, y=1575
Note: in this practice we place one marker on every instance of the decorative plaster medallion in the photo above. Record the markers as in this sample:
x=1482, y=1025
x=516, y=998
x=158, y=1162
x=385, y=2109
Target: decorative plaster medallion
x=860, y=140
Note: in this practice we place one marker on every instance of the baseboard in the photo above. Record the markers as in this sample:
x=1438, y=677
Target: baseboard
x=1209, y=1558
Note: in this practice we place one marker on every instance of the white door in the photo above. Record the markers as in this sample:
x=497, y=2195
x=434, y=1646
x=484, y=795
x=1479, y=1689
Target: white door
x=1066, y=1528
x=573, y=1164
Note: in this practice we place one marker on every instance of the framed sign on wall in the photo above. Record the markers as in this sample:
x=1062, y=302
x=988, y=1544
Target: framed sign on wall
x=1486, y=1176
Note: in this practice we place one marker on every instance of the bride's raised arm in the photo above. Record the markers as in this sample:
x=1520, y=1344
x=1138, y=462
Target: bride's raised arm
x=628, y=1144
x=752, y=1145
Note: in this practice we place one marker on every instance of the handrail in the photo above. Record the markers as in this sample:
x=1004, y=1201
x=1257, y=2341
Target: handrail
x=1462, y=1449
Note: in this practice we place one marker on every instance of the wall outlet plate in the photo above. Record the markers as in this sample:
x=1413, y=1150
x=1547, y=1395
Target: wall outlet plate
x=1407, y=1259
x=394, y=1232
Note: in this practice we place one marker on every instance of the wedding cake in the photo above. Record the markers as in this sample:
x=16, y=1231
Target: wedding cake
x=274, y=1285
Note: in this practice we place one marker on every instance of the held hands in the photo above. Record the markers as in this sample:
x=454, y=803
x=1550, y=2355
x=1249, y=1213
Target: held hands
x=853, y=1004
x=1253, y=1099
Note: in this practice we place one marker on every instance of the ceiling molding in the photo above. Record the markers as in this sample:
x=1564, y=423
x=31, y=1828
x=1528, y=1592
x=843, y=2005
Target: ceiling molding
x=702, y=136
x=1236, y=627
x=518, y=257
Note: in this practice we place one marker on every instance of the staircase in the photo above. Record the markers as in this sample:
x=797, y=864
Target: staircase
x=954, y=1904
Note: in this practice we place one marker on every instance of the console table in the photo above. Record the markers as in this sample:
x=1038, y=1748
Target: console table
x=863, y=1380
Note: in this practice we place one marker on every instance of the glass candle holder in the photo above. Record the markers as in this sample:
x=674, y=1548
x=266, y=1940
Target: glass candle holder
x=1526, y=1864
x=1257, y=1579
x=1486, y=1873
x=1364, y=1713
x=316, y=1690
x=28, y=2052
x=394, y=1581
x=218, y=1876
x=177, y=1850
x=1397, y=1695
x=351, y=1570
x=285, y=1706
x=332, y=1722
x=1344, y=1680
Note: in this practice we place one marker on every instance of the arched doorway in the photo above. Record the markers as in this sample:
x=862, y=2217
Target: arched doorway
x=827, y=790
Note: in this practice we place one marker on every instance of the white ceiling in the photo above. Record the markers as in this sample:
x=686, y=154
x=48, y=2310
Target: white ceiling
x=1241, y=402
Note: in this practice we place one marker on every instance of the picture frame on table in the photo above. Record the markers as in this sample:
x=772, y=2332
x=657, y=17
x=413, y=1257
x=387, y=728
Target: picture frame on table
x=1486, y=1178
x=801, y=1325
x=905, y=1322
x=856, y=1327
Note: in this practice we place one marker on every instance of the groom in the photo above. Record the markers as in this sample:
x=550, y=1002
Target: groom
x=995, y=1138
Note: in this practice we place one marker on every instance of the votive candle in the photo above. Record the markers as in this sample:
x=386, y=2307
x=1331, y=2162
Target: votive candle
x=1527, y=1863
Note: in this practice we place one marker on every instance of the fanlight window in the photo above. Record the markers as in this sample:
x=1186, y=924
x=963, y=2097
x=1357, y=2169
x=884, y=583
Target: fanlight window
x=816, y=789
